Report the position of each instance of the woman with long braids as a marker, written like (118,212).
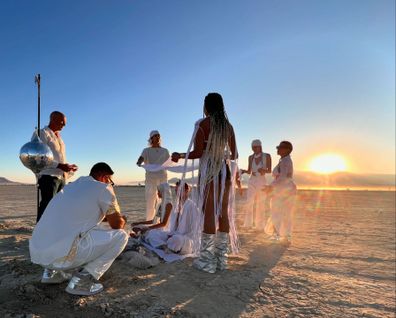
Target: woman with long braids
(214,144)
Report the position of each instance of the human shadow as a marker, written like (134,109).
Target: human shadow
(179,289)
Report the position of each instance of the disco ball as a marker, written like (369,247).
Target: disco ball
(35,155)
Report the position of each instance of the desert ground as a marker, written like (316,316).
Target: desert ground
(341,263)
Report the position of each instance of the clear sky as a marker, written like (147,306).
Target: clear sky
(318,73)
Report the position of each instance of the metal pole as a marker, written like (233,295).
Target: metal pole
(37,80)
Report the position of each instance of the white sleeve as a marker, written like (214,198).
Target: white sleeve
(44,139)
(285,172)
(144,155)
(108,203)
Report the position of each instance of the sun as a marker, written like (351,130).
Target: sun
(328,163)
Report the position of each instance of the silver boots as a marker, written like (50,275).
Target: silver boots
(207,259)
(51,276)
(221,250)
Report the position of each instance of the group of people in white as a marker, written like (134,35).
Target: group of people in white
(81,230)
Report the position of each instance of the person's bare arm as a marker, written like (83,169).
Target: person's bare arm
(249,170)
(268,163)
(142,222)
(168,210)
(116,221)
(232,144)
(140,161)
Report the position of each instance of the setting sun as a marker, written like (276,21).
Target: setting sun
(328,163)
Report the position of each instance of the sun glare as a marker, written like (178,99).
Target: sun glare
(328,163)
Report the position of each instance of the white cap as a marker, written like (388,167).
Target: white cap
(154,132)
(256,142)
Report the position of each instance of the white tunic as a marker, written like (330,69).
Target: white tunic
(78,208)
(283,175)
(155,155)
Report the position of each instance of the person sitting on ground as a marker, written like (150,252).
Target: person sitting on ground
(182,235)
(161,219)
(184,239)
(70,238)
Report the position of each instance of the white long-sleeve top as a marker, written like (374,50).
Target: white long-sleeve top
(283,173)
(58,149)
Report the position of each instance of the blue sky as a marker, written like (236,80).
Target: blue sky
(318,73)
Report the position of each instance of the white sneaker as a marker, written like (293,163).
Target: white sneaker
(51,276)
(83,285)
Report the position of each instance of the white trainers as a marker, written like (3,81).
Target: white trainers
(51,276)
(83,285)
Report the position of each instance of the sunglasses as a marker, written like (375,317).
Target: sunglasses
(110,181)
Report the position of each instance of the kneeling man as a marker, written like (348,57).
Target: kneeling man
(70,236)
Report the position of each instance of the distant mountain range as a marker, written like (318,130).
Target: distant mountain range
(6,181)
(306,179)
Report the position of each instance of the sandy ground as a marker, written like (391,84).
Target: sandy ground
(341,263)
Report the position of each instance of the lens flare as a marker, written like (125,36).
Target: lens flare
(328,163)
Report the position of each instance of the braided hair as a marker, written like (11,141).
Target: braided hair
(220,132)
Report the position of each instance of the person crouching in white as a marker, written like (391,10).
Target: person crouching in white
(69,237)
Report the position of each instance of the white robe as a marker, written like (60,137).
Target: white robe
(181,234)
(69,233)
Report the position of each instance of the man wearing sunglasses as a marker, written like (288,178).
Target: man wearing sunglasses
(71,238)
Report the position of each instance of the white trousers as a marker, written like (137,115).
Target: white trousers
(255,195)
(282,208)
(151,195)
(97,251)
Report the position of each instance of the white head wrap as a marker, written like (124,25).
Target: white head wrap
(256,142)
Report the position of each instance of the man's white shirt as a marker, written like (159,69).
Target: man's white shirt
(58,149)
(78,208)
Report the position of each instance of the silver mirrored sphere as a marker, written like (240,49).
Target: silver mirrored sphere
(35,155)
